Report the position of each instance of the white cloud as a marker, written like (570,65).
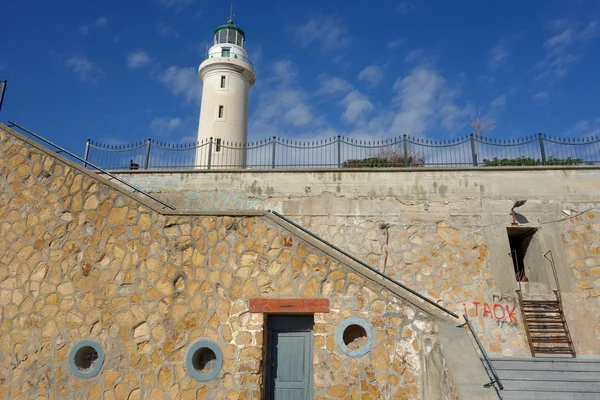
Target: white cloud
(396,43)
(299,115)
(560,39)
(164,125)
(166,31)
(99,23)
(372,74)
(183,81)
(285,71)
(581,126)
(540,98)
(138,59)
(418,56)
(498,55)
(424,99)
(328,31)
(84,69)
(565,48)
(357,105)
(332,84)
(585,128)
(405,8)
(176,4)
(499,102)
(282,103)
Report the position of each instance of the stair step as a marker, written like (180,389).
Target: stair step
(541,321)
(550,302)
(551,386)
(531,395)
(535,339)
(547,331)
(546,364)
(541,311)
(565,376)
(553,351)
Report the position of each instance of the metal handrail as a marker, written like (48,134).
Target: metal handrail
(87,163)
(487,360)
(419,295)
(551,259)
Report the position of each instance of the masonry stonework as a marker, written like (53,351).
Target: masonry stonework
(81,259)
(442,232)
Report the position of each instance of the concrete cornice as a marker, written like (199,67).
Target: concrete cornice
(356,170)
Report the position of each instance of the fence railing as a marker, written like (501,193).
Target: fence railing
(342,152)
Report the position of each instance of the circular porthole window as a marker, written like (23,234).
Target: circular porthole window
(355,337)
(86,358)
(204,360)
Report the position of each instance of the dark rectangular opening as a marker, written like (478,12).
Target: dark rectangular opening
(519,239)
(218,147)
(221,110)
(222,81)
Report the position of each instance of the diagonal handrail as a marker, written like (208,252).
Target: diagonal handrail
(62,150)
(551,260)
(419,295)
(495,379)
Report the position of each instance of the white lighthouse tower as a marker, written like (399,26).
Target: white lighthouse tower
(227,76)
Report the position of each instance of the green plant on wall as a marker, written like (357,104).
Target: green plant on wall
(528,161)
(386,158)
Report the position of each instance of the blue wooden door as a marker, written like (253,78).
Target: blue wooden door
(289,358)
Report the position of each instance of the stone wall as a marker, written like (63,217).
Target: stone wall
(82,259)
(442,232)
(581,236)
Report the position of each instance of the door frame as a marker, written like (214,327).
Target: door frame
(288,323)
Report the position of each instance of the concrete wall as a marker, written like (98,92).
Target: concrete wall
(81,259)
(442,232)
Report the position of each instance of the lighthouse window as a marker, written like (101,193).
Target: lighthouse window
(222,36)
(222,81)
(221,111)
(218,147)
(225,51)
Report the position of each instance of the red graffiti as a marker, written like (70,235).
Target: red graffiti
(499,312)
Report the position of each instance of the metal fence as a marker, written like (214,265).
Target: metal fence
(342,152)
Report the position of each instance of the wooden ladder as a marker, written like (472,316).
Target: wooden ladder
(546,327)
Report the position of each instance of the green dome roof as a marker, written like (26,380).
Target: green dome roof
(230,25)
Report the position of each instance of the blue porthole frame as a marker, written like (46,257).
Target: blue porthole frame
(189,361)
(96,366)
(368,329)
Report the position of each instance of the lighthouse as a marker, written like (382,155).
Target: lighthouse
(227,76)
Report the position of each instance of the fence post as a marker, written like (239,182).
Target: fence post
(405,151)
(2,89)
(542,149)
(147,159)
(273,155)
(87,152)
(339,146)
(474,150)
(209,152)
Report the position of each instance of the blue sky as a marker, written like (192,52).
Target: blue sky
(123,71)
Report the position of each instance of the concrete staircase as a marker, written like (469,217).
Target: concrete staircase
(548,378)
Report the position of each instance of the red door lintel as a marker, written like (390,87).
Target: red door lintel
(289,306)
